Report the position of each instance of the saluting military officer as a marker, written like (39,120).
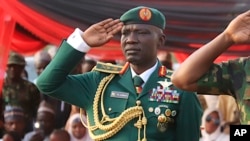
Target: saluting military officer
(230,77)
(116,109)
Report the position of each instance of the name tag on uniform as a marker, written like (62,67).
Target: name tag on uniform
(117,94)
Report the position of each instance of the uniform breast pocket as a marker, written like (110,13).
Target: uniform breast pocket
(116,104)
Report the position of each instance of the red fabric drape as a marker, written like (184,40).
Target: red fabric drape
(41,26)
(28,43)
(109,52)
(44,30)
(180,57)
(7,24)
(25,44)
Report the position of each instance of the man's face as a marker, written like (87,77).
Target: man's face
(140,43)
(40,66)
(17,125)
(14,71)
(46,121)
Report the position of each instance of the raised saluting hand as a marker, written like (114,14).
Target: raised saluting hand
(238,30)
(100,33)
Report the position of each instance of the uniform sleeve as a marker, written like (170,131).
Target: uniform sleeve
(189,118)
(76,41)
(222,78)
(56,81)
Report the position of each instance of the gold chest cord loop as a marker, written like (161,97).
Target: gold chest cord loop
(114,125)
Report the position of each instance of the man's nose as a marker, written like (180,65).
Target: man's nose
(132,38)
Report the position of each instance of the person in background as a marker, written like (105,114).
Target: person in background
(203,102)
(77,131)
(212,100)
(11,136)
(18,91)
(41,60)
(117,106)
(25,74)
(87,65)
(60,135)
(52,51)
(212,126)
(44,125)
(230,111)
(14,120)
(62,109)
(199,73)
(165,58)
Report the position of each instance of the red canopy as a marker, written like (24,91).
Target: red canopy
(189,24)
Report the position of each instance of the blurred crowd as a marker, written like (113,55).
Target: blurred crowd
(27,114)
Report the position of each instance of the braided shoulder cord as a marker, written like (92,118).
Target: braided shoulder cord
(116,124)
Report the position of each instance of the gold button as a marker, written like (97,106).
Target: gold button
(168,112)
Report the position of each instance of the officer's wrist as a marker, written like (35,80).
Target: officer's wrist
(76,41)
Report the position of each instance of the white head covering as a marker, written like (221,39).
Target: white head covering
(217,132)
(45,107)
(73,118)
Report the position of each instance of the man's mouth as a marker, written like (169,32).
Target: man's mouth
(131,51)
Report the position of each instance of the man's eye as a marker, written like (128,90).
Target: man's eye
(124,32)
(142,32)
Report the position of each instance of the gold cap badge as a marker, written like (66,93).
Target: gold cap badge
(145,14)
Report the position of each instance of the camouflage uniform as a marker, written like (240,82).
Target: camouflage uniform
(24,93)
(230,78)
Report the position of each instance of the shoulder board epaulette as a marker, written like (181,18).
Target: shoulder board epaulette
(169,73)
(107,68)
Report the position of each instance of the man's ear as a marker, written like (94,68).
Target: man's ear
(162,39)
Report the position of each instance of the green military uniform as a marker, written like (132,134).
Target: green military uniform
(231,78)
(22,93)
(115,111)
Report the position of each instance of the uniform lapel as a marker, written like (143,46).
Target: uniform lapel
(126,81)
(152,81)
